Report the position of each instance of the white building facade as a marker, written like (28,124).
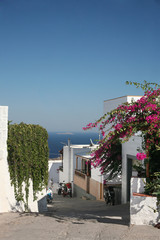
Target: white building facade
(76,171)
(129,149)
(86,180)
(73,170)
(69,160)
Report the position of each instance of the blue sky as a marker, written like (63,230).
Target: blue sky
(60,59)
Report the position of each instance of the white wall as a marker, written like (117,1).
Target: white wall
(64,176)
(33,206)
(132,98)
(7,199)
(128,148)
(53,165)
(142,207)
(6,193)
(111,104)
(96,175)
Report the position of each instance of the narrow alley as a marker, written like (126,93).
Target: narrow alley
(74,219)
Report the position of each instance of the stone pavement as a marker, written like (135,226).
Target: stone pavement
(75,219)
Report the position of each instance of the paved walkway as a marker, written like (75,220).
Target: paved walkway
(95,211)
(75,219)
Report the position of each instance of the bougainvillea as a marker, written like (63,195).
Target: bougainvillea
(141,156)
(123,122)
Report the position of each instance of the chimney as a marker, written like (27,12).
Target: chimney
(69,142)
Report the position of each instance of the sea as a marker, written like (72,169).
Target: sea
(56,140)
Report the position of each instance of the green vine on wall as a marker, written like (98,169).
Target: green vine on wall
(28,155)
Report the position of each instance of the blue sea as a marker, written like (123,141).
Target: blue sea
(57,140)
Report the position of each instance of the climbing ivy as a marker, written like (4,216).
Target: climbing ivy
(28,155)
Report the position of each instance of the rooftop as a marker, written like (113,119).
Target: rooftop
(123,97)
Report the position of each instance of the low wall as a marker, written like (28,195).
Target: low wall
(39,205)
(142,206)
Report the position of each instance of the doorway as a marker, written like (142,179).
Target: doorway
(129,175)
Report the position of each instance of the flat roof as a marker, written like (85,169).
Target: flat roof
(84,146)
(84,155)
(122,97)
(79,145)
(55,160)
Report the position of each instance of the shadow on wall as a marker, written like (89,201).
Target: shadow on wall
(143,210)
(19,206)
(54,176)
(42,204)
(51,176)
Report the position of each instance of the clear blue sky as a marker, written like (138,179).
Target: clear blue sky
(60,59)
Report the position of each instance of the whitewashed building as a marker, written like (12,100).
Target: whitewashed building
(129,149)
(66,173)
(80,174)
(86,180)
(91,181)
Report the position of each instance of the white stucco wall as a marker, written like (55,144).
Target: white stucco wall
(96,175)
(111,104)
(7,199)
(6,193)
(64,176)
(61,176)
(128,148)
(53,165)
(34,206)
(142,207)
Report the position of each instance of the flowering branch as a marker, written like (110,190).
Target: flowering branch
(123,122)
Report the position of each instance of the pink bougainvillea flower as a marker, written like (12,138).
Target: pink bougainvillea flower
(92,154)
(103,133)
(118,127)
(104,181)
(141,156)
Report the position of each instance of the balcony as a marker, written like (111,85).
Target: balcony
(83,167)
(80,173)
